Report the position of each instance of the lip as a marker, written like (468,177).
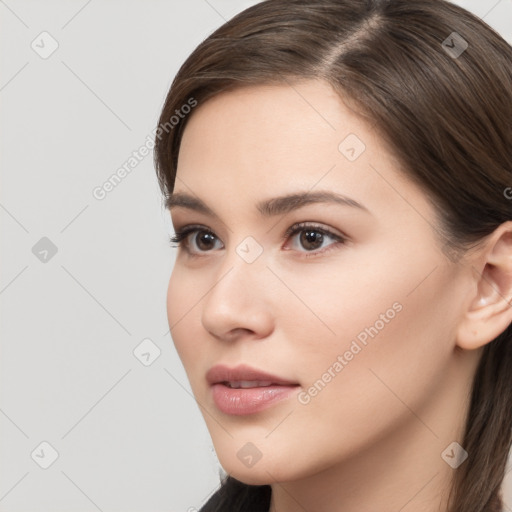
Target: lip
(242,401)
(222,373)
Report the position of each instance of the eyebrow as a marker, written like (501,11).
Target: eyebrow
(268,207)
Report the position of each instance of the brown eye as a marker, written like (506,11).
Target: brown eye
(195,239)
(198,240)
(311,239)
(204,240)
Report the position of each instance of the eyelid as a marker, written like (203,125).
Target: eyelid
(182,233)
(340,238)
(300,226)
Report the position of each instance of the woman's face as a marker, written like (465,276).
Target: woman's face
(357,309)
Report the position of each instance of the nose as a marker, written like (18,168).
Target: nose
(239,301)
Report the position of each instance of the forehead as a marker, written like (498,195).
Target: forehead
(270,129)
(275,120)
(255,142)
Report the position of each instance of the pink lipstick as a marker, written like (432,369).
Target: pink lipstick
(244,390)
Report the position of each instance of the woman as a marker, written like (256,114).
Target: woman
(338,174)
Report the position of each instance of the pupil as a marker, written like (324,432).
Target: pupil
(205,237)
(311,237)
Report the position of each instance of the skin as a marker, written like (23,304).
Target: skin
(372,438)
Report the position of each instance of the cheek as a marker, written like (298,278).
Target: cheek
(364,298)
(363,340)
(183,315)
(332,304)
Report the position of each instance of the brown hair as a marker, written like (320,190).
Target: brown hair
(446,112)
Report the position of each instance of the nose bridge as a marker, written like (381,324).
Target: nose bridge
(242,269)
(238,298)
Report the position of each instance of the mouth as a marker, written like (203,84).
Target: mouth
(244,376)
(244,390)
(247,384)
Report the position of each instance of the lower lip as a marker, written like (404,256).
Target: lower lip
(240,401)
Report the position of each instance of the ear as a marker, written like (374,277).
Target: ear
(490,309)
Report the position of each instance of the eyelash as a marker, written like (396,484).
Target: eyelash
(181,235)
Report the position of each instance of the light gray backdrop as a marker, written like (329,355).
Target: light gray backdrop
(96,411)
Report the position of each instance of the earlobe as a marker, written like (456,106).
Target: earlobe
(490,310)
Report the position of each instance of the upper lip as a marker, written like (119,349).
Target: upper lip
(242,372)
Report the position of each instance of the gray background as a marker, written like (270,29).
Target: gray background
(128,433)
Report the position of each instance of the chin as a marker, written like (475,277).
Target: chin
(252,477)
(262,473)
